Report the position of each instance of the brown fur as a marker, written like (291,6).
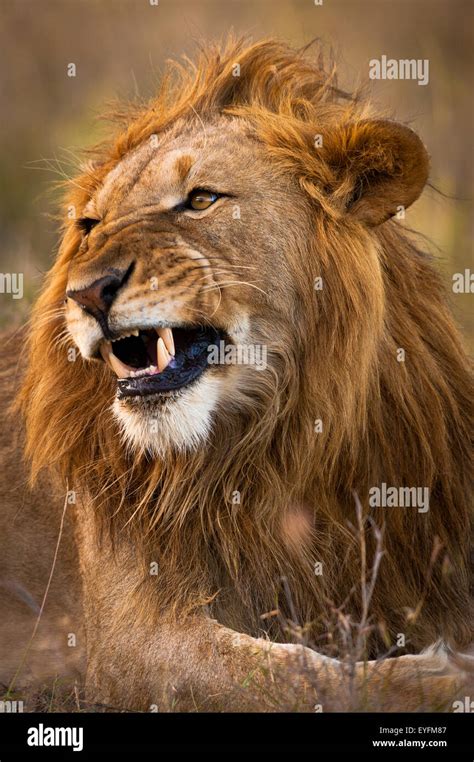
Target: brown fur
(333,356)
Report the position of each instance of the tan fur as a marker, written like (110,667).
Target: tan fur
(305,213)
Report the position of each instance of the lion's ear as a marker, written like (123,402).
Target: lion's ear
(385,167)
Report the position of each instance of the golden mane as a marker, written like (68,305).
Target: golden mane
(402,424)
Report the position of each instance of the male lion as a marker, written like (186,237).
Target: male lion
(222,512)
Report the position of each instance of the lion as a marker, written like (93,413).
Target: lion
(208,532)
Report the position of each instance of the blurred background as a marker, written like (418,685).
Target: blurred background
(119,48)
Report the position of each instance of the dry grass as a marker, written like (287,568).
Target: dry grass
(345,639)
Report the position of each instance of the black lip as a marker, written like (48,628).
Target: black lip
(185,368)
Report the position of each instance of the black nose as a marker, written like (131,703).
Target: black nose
(97,298)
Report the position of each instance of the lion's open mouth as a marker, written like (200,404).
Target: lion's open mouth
(152,361)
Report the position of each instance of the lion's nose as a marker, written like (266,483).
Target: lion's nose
(97,298)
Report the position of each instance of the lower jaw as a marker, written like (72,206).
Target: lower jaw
(164,384)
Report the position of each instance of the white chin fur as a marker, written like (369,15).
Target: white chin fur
(179,424)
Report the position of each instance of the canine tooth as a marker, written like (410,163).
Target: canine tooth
(119,368)
(167,336)
(162,355)
(135,332)
(122,370)
(105,349)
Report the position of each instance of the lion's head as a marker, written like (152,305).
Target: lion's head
(237,298)
(211,229)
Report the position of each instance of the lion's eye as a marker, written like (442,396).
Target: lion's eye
(201,199)
(86,224)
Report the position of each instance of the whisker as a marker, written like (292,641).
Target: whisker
(57,170)
(201,314)
(214,272)
(224,284)
(218,303)
(221,260)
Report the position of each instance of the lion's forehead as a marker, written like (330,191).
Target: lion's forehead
(144,176)
(162,168)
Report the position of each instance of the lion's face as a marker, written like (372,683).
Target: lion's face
(181,282)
